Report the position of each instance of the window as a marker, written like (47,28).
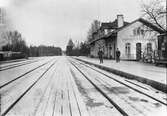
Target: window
(138,31)
(111,30)
(142,32)
(149,47)
(134,32)
(110,46)
(1,16)
(127,49)
(105,31)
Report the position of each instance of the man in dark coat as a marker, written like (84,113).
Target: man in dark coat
(100,54)
(118,53)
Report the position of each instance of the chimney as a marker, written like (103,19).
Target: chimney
(120,20)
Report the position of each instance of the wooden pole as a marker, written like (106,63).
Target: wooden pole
(0,104)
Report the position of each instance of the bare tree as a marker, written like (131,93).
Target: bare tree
(95,25)
(155,11)
(15,42)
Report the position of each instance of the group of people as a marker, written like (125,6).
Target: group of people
(101,53)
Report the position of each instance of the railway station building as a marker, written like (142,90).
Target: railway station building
(102,40)
(134,40)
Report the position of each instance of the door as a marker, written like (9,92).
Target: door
(128,50)
(110,51)
(138,51)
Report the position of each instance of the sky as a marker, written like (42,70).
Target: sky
(54,22)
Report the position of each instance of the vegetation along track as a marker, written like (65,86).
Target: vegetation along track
(21,76)
(27,90)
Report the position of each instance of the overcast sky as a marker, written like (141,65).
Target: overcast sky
(53,22)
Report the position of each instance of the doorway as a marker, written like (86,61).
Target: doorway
(128,50)
(138,51)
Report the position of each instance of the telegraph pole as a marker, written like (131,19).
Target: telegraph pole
(0,104)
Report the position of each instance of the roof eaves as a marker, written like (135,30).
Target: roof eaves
(94,40)
(144,22)
(154,27)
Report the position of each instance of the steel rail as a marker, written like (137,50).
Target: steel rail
(27,90)
(126,85)
(103,93)
(21,76)
(16,65)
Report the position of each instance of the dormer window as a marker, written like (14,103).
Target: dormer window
(105,31)
(111,30)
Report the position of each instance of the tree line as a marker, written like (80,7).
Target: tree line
(78,49)
(44,51)
(16,43)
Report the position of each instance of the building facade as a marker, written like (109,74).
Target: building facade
(105,38)
(138,40)
(135,40)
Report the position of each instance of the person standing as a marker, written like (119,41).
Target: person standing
(118,53)
(100,54)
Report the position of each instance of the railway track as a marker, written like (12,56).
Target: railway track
(49,84)
(74,88)
(22,75)
(96,81)
(127,85)
(103,93)
(9,108)
(65,98)
(11,66)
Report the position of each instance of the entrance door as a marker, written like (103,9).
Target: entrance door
(138,51)
(110,51)
(128,50)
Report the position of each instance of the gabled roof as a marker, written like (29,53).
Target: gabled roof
(148,24)
(112,25)
(145,22)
